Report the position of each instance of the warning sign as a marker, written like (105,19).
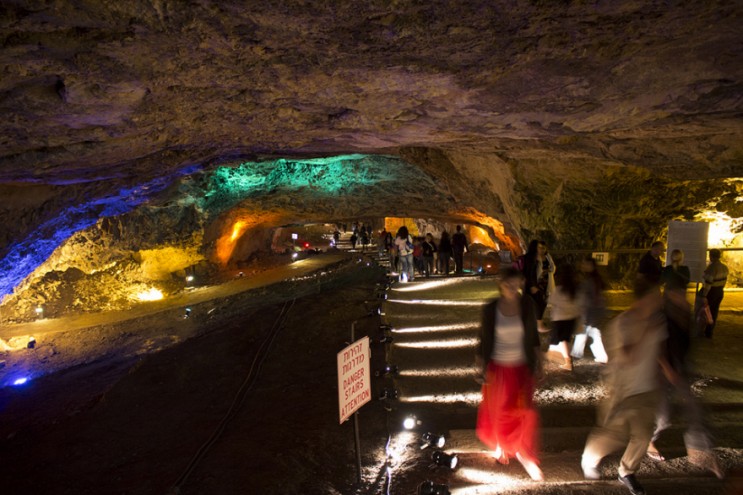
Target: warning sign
(354,382)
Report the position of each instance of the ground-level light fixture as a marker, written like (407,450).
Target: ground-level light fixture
(443,459)
(389,393)
(429,439)
(431,488)
(187,313)
(385,339)
(189,278)
(294,256)
(20,381)
(39,310)
(31,343)
(410,422)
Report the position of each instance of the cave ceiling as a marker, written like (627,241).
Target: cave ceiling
(534,113)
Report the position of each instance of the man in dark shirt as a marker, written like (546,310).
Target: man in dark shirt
(650,264)
(459,246)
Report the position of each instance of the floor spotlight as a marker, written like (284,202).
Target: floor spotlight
(444,459)
(389,393)
(385,339)
(431,488)
(31,343)
(410,422)
(429,439)
(385,328)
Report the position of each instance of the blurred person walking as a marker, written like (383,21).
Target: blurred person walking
(591,288)
(715,279)
(459,245)
(697,437)
(509,360)
(539,273)
(626,418)
(566,310)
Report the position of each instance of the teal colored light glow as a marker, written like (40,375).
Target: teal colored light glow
(324,176)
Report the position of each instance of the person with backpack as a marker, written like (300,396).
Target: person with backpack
(459,246)
(404,244)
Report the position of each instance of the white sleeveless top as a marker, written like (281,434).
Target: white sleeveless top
(509,340)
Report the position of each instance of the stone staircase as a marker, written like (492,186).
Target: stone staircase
(434,332)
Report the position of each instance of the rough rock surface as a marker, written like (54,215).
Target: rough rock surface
(587,124)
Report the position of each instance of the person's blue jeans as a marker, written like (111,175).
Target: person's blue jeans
(407,265)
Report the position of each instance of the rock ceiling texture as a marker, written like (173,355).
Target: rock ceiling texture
(590,123)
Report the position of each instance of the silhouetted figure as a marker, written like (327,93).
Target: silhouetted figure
(444,253)
(459,245)
(429,249)
(715,279)
(651,265)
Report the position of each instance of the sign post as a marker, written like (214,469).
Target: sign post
(354,384)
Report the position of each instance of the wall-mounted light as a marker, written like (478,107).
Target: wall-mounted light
(429,439)
(431,488)
(443,459)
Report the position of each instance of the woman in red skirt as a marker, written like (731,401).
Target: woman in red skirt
(510,360)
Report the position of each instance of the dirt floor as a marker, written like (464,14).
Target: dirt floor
(162,404)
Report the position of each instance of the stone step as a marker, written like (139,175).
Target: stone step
(479,474)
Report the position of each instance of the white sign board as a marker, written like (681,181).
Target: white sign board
(354,380)
(691,238)
(601,259)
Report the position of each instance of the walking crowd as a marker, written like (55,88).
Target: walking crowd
(644,350)
(422,255)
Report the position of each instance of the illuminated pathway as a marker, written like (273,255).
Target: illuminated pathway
(435,327)
(198,295)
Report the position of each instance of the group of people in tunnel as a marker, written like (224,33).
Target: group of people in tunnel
(423,255)
(645,357)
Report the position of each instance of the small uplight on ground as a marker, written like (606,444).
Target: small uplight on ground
(431,488)
(441,458)
(410,422)
(150,295)
(39,311)
(189,278)
(20,381)
(429,439)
